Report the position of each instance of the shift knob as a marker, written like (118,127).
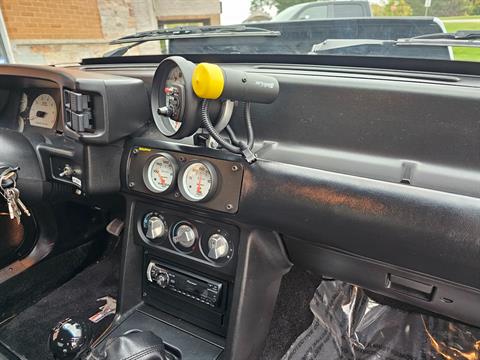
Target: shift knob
(69,338)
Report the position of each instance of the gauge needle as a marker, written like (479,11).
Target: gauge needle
(162,180)
(199,185)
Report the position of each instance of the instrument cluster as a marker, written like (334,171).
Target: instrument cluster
(206,182)
(39,108)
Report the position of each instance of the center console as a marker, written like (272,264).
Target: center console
(189,260)
(191,273)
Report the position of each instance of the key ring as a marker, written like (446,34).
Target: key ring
(9,173)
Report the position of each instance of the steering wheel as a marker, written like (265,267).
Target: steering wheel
(17,151)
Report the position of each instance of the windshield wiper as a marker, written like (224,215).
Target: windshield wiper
(458,39)
(334,44)
(188,32)
(459,35)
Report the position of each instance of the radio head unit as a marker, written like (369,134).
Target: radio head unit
(192,286)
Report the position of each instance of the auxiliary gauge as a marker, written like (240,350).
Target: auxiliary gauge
(198,181)
(160,172)
(175,108)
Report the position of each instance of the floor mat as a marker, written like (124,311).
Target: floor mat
(350,325)
(25,289)
(27,334)
(292,314)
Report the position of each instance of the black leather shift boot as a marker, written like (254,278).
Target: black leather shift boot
(141,345)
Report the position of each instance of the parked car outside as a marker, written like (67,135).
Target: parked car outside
(325,10)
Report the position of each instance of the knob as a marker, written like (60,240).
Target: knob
(163,279)
(166,111)
(69,338)
(218,246)
(155,227)
(185,236)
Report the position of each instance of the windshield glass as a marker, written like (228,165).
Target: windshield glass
(65,31)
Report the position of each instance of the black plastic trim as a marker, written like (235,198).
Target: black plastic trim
(441,66)
(431,293)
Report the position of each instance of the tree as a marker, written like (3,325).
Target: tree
(397,8)
(440,7)
(474,7)
(377,9)
(256,5)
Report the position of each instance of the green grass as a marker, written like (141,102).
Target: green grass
(463,54)
(461,18)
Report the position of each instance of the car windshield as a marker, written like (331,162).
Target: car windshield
(66,31)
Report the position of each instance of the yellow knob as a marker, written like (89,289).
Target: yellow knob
(208,81)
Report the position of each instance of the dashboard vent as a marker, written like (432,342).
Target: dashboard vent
(78,111)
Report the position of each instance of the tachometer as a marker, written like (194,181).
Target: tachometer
(198,181)
(174,80)
(175,108)
(160,172)
(43,112)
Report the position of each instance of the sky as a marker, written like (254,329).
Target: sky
(234,11)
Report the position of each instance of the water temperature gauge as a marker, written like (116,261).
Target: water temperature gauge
(198,181)
(160,172)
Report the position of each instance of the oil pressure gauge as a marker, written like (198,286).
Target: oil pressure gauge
(160,172)
(198,181)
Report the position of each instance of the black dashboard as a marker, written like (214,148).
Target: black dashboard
(364,175)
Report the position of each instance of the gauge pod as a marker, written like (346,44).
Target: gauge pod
(198,181)
(175,107)
(160,172)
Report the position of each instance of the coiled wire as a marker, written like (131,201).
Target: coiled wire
(237,146)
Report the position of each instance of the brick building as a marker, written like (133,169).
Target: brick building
(64,31)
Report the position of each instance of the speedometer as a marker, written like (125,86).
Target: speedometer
(198,181)
(160,172)
(43,112)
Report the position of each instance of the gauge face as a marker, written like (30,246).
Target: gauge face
(198,181)
(23,102)
(43,112)
(174,78)
(159,175)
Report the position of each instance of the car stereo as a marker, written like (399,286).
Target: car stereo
(192,286)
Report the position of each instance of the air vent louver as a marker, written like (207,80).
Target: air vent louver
(78,112)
